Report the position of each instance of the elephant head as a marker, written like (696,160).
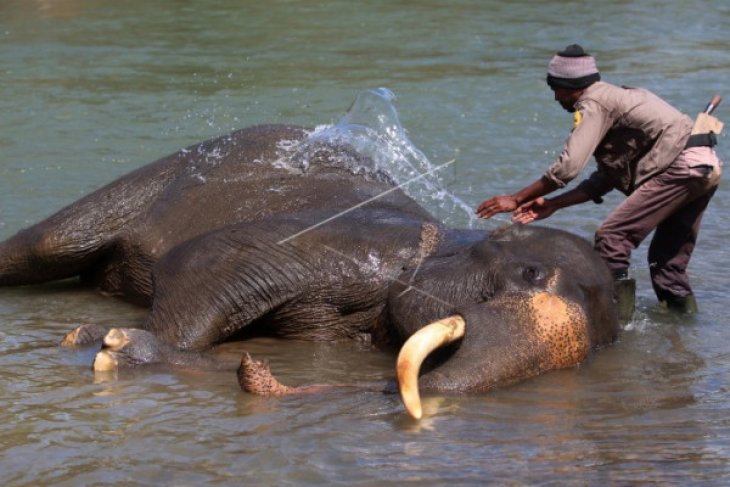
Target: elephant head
(521,302)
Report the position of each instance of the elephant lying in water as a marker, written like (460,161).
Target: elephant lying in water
(242,236)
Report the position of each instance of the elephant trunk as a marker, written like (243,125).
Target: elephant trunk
(415,351)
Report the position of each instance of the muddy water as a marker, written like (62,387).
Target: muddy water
(91,90)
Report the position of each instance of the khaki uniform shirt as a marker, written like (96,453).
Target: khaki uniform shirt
(632,133)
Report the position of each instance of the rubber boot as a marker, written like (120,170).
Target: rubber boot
(684,304)
(624,291)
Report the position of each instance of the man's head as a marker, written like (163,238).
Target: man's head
(570,72)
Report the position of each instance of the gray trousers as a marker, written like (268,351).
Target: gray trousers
(673,203)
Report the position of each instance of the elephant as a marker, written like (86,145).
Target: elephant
(270,231)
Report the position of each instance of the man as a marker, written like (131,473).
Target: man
(642,147)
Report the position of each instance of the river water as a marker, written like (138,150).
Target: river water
(93,89)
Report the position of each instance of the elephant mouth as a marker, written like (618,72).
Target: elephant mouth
(411,356)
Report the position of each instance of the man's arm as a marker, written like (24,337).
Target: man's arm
(542,208)
(504,203)
(588,131)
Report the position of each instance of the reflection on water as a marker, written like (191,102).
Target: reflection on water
(92,90)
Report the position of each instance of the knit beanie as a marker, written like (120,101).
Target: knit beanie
(573,69)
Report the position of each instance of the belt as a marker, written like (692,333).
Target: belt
(701,140)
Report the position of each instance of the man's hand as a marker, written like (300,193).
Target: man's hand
(497,204)
(505,203)
(534,210)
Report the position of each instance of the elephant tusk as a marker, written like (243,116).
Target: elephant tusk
(415,351)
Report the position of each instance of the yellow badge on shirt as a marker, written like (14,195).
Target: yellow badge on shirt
(577,117)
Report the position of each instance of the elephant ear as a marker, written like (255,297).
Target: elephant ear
(211,287)
(285,276)
(582,274)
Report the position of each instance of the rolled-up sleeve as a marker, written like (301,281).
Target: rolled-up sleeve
(593,124)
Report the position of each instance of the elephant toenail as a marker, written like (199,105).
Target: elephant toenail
(105,361)
(115,338)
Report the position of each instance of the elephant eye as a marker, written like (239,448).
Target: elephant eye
(533,274)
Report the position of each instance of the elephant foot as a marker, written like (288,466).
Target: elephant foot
(127,347)
(84,335)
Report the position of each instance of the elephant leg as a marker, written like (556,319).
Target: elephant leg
(77,237)
(127,347)
(47,252)
(130,347)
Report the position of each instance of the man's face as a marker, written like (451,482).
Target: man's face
(566,98)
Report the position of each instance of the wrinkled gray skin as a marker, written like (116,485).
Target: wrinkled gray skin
(204,239)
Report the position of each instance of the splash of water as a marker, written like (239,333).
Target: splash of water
(372,127)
